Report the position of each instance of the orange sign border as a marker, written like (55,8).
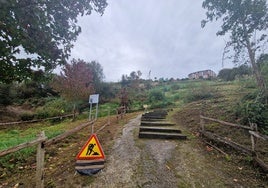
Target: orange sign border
(78,157)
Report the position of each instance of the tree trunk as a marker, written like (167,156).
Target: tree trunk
(256,71)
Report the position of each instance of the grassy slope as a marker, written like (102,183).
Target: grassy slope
(215,99)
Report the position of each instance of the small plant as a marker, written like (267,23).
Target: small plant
(228,157)
(176,97)
(249,159)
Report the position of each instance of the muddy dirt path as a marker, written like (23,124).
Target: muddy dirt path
(157,163)
(137,163)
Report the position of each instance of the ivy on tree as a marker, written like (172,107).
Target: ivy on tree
(39,34)
(247,22)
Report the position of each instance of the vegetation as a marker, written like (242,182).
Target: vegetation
(232,74)
(250,106)
(234,100)
(39,34)
(75,83)
(242,20)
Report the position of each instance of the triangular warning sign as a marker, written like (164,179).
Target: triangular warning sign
(91,150)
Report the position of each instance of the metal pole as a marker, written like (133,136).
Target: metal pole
(96,115)
(109,120)
(90,108)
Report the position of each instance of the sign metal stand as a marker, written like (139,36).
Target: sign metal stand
(93,99)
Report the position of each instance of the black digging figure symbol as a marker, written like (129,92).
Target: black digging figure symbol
(90,150)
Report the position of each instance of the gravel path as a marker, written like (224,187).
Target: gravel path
(137,162)
(156,163)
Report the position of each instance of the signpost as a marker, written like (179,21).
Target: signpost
(91,150)
(90,159)
(93,99)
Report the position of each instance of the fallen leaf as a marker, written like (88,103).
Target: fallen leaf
(168,167)
(209,148)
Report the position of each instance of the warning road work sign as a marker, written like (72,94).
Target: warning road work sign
(91,150)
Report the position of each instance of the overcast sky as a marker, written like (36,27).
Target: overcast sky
(161,36)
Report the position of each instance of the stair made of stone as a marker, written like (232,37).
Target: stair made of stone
(156,123)
(162,135)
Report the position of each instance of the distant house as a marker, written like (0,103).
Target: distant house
(205,74)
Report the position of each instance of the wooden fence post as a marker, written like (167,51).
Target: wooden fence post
(202,123)
(40,159)
(109,116)
(253,126)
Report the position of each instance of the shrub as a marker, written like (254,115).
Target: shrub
(54,107)
(5,98)
(161,104)
(253,108)
(41,114)
(155,96)
(157,99)
(176,97)
(199,93)
(26,116)
(175,87)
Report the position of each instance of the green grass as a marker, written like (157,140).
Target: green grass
(219,95)
(14,136)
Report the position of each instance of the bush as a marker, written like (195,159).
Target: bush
(161,104)
(5,98)
(175,87)
(54,107)
(155,96)
(176,97)
(41,113)
(231,74)
(253,108)
(157,99)
(26,116)
(201,92)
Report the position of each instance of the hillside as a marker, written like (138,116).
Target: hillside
(187,99)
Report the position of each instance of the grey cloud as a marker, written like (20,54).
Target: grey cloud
(164,36)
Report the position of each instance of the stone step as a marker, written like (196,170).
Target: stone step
(159,135)
(153,117)
(161,113)
(159,129)
(156,123)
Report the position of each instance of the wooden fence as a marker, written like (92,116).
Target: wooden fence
(42,142)
(36,120)
(252,130)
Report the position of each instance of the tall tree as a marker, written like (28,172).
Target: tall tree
(246,21)
(75,82)
(39,34)
(97,72)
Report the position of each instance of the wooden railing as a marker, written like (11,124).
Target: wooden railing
(36,120)
(252,130)
(42,142)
